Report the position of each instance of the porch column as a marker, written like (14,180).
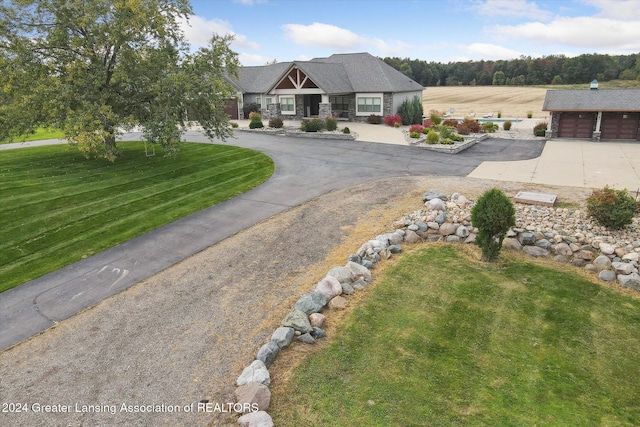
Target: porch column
(597,133)
(324,109)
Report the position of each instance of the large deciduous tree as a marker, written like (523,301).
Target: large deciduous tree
(97,67)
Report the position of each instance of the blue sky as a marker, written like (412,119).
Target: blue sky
(431,30)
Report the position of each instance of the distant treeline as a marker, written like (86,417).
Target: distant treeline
(553,69)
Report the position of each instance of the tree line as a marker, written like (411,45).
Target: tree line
(552,69)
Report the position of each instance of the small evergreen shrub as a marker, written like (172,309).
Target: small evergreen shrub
(346,130)
(234,125)
(330,124)
(447,141)
(611,208)
(275,122)
(256,121)
(506,125)
(540,129)
(374,119)
(393,120)
(493,215)
(529,114)
(499,114)
(411,111)
(457,138)
(489,127)
(433,137)
(414,135)
(313,125)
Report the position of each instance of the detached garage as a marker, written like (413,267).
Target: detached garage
(596,114)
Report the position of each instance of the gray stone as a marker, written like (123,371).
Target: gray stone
(316,320)
(307,338)
(631,256)
(413,227)
(395,249)
(343,274)
(433,194)
(433,225)
(535,251)
(436,205)
(526,239)
(338,303)
(447,229)
(298,320)
(607,275)
(359,284)
(462,232)
(268,353)
(255,419)
(411,237)
(453,239)
(283,336)
(421,226)
(312,302)
(543,243)
(255,372)
(602,262)
(471,238)
(574,247)
(347,289)
(578,262)
(591,267)
(385,253)
(511,243)
(561,258)
(629,281)
(622,267)
(367,264)
(329,286)
(318,333)
(441,218)
(253,394)
(585,255)
(562,249)
(355,258)
(359,271)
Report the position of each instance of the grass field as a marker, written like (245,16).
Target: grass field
(58,207)
(443,339)
(512,101)
(40,134)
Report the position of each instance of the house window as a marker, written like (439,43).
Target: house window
(268,101)
(287,105)
(339,103)
(369,104)
(259,101)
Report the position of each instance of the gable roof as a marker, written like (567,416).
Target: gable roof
(592,100)
(337,74)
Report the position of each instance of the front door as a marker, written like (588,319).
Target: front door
(312,105)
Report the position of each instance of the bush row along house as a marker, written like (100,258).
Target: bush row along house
(345,86)
(596,114)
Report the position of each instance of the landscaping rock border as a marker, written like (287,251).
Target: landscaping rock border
(568,235)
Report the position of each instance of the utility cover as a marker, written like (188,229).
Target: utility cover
(540,199)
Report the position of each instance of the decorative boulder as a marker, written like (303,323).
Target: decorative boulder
(255,419)
(283,336)
(329,286)
(297,320)
(256,372)
(343,274)
(312,302)
(359,271)
(433,194)
(436,205)
(268,353)
(253,394)
(630,281)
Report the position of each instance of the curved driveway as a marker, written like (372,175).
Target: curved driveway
(305,169)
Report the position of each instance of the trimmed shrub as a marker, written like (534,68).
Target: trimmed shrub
(435,117)
(506,125)
(472,125)
(447,141)
(275,122)
(346,130)
(414,135)
(411,111)
(611,208)
(499,114)
(393,120)
(330,124)
(234,125)
(416,128)
(397,125)
(456,137)
(463,129)
(493,215)
(540,129)
(489,127)
(313,125)
(529,114)
(256,121)
(450,122)
(433,137)
(374,119)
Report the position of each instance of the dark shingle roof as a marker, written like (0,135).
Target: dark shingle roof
(592,100)
(340,73)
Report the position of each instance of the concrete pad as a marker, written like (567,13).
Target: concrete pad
(531,198)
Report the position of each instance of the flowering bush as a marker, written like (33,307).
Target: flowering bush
(429,123)
(416,128)
(450,122)
(469,125)
(392,120)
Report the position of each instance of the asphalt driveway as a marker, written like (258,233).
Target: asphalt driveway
(305,169)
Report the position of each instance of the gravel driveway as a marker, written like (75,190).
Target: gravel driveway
(184,335)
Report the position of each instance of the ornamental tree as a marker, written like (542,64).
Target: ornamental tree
(493,215)
(94,68)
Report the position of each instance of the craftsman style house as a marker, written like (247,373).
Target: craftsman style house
(596,114)
(348,86)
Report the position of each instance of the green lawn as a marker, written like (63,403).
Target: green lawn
(445,340)
(58,207)
(40,134)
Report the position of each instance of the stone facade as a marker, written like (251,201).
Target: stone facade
(325,111)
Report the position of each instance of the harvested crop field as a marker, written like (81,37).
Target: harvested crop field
(512,101)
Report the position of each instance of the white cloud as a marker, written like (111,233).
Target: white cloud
(249,59)
(513,8)
(625,10)
(249,2)
(324,35)
(489,51)
(198,32)
(586,32)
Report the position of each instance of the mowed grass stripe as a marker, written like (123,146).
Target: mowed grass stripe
(139,200)
(444,339)
(119,202)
